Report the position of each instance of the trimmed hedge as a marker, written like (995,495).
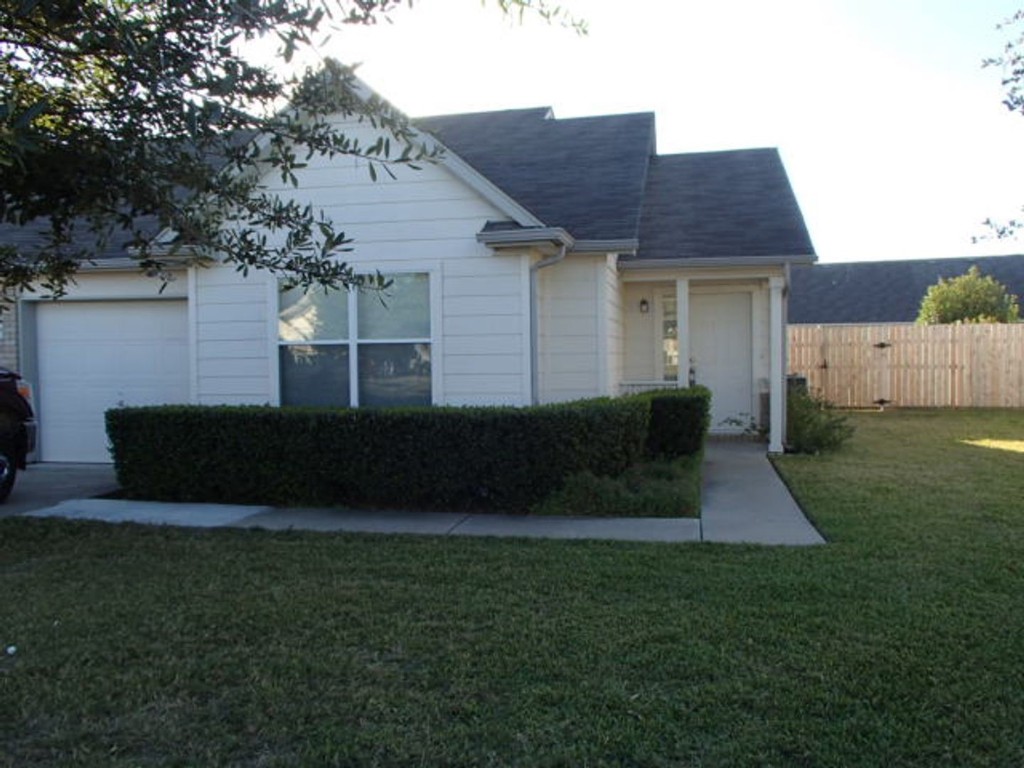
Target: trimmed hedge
(679,421)
(448,458)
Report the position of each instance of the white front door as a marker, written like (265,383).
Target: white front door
(722,356)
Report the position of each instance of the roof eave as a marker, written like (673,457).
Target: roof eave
(719,261)
(127,264)
(518,238)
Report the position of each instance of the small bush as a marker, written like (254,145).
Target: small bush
(969,298)
(812,425)
(649,489)
(679,421)
(414,458)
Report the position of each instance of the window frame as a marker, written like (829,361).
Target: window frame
(353,342)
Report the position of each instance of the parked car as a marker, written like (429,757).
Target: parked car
(17,429)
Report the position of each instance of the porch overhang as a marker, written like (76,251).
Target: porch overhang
(708,289)
(716,261)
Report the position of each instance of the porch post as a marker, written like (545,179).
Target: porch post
(683,331)
(776,387)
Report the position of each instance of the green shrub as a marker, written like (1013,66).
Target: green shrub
(969,298)
(679,421)
(447,458)
(650,489)
(812,425)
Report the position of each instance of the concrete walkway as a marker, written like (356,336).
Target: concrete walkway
(744,501)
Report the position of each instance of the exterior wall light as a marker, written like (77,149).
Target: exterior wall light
(645,306)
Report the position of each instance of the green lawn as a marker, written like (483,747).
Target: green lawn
(900,643)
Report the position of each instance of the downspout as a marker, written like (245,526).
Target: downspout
(535,322)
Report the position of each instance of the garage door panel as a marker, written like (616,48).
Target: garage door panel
(99,355)
(153,359)
(147,361)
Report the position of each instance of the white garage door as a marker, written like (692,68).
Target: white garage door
(95,355)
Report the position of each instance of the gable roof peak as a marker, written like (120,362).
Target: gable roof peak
(725,204)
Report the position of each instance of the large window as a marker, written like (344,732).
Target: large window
(356,348)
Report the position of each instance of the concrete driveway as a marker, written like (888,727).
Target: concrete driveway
(44,485)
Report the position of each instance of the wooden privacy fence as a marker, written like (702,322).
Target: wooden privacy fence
(937,366)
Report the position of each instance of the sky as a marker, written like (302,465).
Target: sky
(895,138)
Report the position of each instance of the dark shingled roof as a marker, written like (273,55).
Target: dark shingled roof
(884,291)
(585,174)
(599,179)
(32,236)
(721,204)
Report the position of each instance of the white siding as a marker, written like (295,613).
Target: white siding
(420,221)
(232,344)
(571,331)
(639,333)
(485,331)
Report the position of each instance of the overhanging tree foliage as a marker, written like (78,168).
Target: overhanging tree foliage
(122,119)
(969,298)
(1011,61)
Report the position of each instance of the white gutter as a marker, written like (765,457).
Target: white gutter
(716,261)
(535,321)
(525,237)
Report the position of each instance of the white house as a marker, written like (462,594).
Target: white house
(542,260)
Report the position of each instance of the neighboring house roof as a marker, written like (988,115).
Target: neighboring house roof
(884,291)
(585,175)
(721,205)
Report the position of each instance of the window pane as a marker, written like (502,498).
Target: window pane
(316,315)
(314,375)
(669,341)
(394,374)
(400,312)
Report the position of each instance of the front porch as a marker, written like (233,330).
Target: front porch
(723,330)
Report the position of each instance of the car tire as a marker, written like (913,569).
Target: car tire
(8,468)
(9,426)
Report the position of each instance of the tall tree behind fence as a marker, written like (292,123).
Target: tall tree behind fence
(935,366)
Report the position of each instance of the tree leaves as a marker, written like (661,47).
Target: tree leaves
(121,120)
(1012,64)
(969,298)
